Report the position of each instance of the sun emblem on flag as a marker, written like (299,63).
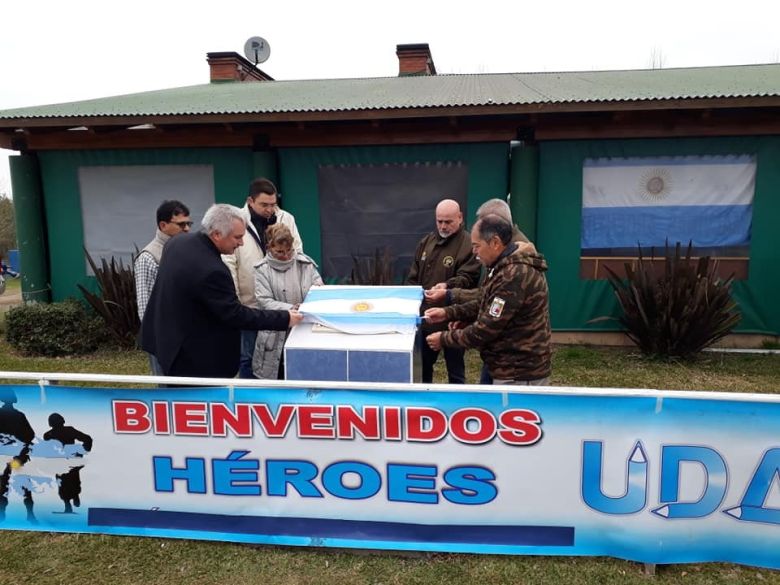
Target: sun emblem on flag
(361,307)
(655,184)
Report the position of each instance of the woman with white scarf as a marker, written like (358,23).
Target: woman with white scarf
(282,279)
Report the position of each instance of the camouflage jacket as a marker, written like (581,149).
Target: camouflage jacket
(510,322)
(464,295)
(447,260)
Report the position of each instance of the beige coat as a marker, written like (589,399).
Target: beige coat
(242,262)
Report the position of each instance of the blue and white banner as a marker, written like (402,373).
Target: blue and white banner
(647,201)
(364,310)
(650,476)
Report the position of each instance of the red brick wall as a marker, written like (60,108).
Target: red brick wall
(413,64)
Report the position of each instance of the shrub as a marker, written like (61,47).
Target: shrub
(116,304)
(55,329)
(679,312)
(377,270)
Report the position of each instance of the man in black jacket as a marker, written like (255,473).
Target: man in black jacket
(194,319)
(444,255)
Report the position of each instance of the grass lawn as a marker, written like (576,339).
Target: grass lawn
(12,285)
(100,362)
(44,558)
(11,297)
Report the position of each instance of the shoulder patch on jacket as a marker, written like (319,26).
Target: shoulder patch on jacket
(496,307)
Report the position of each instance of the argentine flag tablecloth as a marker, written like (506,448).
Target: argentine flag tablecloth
(648,201)
(364,310)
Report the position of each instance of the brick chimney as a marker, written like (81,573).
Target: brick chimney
(233,67)
(415,60)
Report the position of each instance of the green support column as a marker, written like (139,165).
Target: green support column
(524,187)
(30,228)
(264,165)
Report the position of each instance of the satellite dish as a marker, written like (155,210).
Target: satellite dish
(257,50)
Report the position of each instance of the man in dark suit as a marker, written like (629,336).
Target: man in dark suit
(194,319)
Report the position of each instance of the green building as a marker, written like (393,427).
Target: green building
(362,162)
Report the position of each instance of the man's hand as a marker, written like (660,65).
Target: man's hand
(435,295)
(456,325)
(440,285)
(295,318)
(435,315)
(434,341)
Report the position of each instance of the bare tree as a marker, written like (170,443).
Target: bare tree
(7,225)
(657,58)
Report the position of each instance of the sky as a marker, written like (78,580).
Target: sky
(53,51)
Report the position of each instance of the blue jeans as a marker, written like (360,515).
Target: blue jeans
(248,339)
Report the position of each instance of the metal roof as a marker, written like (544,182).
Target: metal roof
(390,93)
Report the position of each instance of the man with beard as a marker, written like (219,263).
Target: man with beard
(444,255)
(510,321)
(442,294)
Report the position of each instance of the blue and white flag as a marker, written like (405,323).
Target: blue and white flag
(648,201)
(364,310)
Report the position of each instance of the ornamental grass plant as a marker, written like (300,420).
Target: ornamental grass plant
(676,310)
(376,270)
(116,304)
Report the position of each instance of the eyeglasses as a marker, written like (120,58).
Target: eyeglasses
(182,224)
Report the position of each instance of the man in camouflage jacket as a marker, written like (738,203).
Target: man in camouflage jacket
(443,294)
(444,255)
(510,322)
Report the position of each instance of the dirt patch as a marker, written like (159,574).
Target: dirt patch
(10,299)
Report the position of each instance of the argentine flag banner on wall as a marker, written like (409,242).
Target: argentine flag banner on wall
(648,201)
(365,310)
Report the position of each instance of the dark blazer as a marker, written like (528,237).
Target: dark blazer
(194,319)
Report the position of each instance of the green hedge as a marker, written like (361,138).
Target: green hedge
(55,329)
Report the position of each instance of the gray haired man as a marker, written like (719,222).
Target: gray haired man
(194,319)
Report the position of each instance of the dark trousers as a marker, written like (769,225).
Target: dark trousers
(247,351)
(484,375)
(456,364)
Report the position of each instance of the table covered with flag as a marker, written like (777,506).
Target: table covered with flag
(357,334)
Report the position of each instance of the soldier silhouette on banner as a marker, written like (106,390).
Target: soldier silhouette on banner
(15,429)
(70,482)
